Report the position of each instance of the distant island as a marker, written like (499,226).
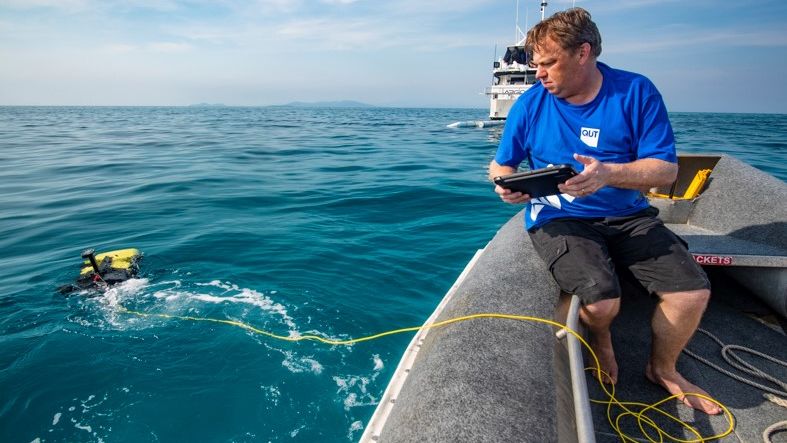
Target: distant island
(325,104)
(329,104)
(208,105)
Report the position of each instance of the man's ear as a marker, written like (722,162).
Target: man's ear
(584,52)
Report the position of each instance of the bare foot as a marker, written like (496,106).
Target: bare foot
(675,384)
(606,357)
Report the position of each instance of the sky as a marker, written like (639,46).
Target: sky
(703,55)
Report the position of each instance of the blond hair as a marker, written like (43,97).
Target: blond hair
(569,29)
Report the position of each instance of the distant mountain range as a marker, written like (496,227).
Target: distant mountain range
(329,104)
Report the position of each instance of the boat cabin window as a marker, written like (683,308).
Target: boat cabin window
(515,54)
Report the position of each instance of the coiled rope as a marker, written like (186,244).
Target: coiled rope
(727,351)
(773,395)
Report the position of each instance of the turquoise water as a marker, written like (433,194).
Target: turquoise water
(334,222)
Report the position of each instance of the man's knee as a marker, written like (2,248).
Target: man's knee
(690,299)
(602,309)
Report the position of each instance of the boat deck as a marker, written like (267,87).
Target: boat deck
(747,253)
(732,317)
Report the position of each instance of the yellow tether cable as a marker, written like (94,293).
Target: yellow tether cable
(639,416)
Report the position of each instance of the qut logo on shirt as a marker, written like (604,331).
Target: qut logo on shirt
(589,136)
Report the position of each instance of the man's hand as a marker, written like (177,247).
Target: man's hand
(510,196)
(594,177)
(506,195)
(639,174)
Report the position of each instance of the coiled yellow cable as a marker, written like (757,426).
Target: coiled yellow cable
(644,422)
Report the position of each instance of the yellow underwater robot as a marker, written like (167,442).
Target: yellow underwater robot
(105,269)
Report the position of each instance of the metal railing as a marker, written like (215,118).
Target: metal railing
(579,388)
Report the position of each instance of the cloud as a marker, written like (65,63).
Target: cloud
(152,5)
(119,48)
(63,5)
(438,8)
(328,33)
(154,47)
(274,6)
(717,37)
(169,47)
(622,6)
(341,34)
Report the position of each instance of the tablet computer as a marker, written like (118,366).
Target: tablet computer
(537,183)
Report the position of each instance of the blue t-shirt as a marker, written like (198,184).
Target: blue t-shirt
(626,121)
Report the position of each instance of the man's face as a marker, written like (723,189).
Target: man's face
(557,68)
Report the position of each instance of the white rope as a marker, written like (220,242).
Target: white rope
(776,400)
(780,426)
(774,395)
(736,362)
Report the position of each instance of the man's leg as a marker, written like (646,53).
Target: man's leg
(598,318)
(674,322)
(576,253)
(662,263)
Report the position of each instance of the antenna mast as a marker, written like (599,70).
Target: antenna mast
(518,34)
(543,8)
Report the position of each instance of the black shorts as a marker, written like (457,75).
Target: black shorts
(586,256)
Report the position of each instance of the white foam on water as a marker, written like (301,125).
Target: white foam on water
(127,289)
(272,394)
(354,427)
(353,400)
(83,427)
(298,365)
(217,283)
(107,305)
(176,283)
(295,431)
(378,363)
(231,293)
(355,388)
(86,407)
(87,412)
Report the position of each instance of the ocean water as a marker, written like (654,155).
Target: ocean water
(335,222)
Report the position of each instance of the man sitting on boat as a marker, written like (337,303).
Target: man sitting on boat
(612,126)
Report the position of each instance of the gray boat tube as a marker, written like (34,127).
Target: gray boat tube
(488,379)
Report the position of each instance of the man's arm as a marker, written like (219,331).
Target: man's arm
(496,170)
(640,174)
(508,196)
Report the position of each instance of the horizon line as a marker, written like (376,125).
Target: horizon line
(316,105)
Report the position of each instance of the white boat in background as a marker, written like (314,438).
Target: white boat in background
(511,77)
